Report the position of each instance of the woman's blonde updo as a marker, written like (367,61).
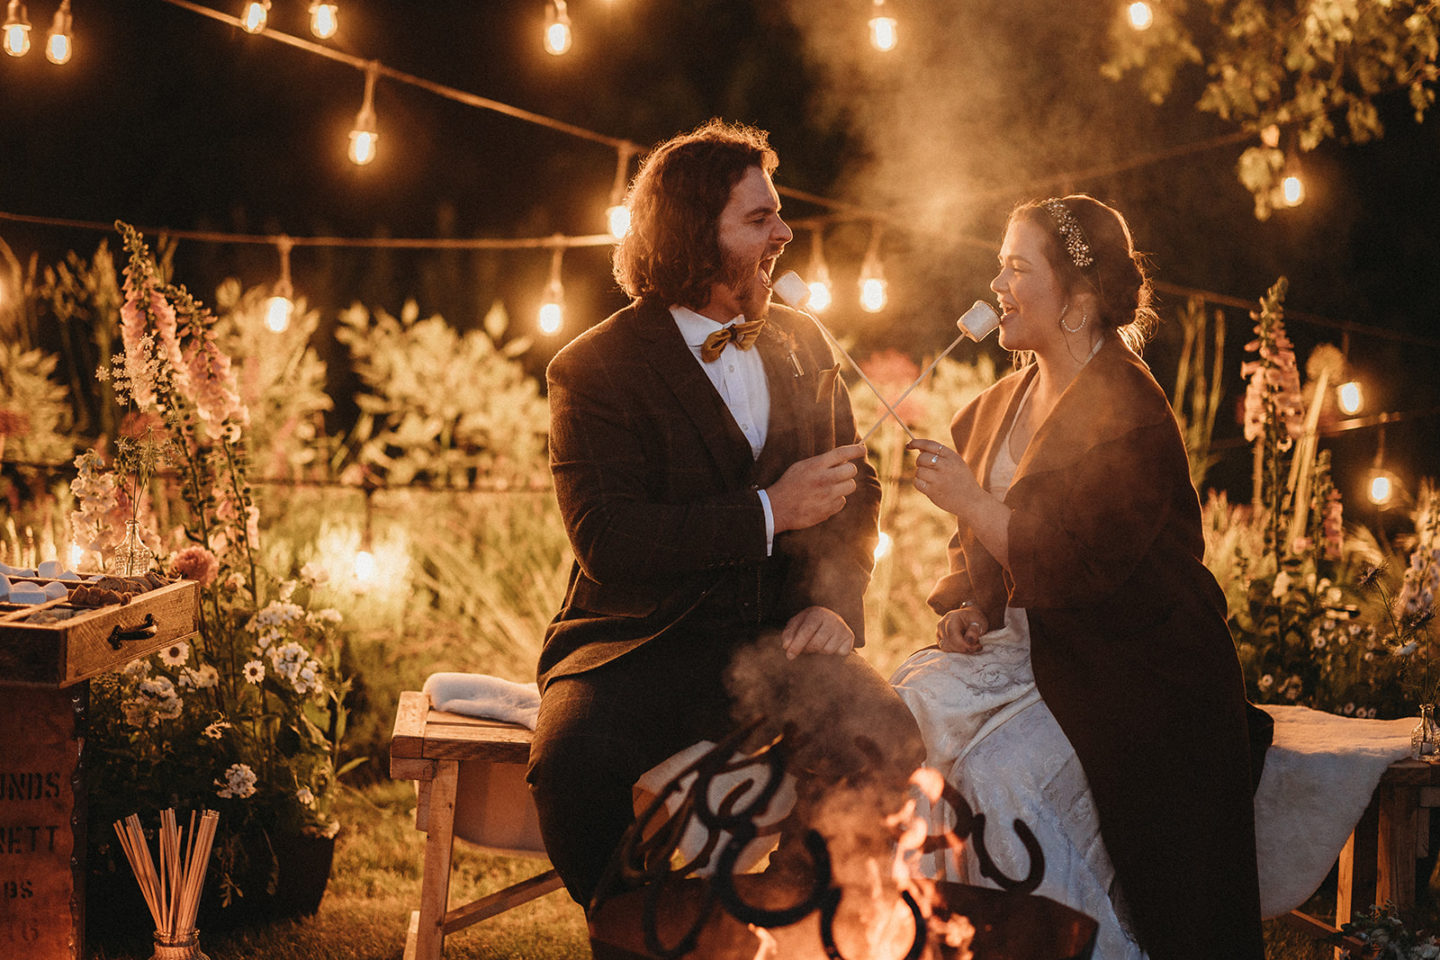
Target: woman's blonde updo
(1116,272)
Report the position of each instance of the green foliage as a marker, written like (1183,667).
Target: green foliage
(1386,936)
(1309,67)
(441,407)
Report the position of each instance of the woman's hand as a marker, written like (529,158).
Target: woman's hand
(943,476)
(959,631)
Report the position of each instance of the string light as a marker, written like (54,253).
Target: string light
(617,215)
(882,545)
(1292,187)
(819,271)
(17,29)
(873,292)
(1382,482)
(366,569)
(882,28)
(1140,15)
(255,15)
(281,305)
(557,28)
(324,19)
(57,44)
(552,305)
(1349,397)
(363,136)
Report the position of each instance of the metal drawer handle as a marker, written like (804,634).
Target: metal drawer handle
(146,629)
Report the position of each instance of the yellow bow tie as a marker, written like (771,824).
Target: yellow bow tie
(742,334)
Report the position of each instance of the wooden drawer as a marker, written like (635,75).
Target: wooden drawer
(90,640)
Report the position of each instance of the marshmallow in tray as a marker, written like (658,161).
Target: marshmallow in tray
(979,321)
(25,592)
(10,571)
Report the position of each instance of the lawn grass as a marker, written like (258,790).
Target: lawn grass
(375,884)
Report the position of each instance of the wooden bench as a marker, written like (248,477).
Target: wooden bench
(475,767)
(1377,863)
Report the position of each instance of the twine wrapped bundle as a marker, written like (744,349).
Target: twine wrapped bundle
(171,890)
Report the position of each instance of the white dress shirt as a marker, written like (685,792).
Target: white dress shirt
(739,378)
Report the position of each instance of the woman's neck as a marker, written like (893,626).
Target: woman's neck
(1058,366)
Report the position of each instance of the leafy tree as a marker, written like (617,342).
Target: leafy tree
(1293,72)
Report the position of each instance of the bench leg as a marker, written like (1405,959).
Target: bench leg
(439,844)
(1399,827)
(1356,887)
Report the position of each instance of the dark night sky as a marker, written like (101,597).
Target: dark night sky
(167,118)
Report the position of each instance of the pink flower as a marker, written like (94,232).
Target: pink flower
(13,423)
(892,372)
(195,563)
(211,381)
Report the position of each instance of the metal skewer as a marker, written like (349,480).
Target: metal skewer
(795,292)
(976,323)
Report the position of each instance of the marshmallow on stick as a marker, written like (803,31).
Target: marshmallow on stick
(977,323)
(796,292)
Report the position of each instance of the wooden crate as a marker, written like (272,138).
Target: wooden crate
(44,667)
(90,640)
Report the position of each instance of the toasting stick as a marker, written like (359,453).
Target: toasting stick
(976,323)
(796,293)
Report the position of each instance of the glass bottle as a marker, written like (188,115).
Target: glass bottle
(1425,738)
(132,557)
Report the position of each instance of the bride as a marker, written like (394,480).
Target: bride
(1083,677)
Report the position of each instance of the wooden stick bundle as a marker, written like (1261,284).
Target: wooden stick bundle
(171,891)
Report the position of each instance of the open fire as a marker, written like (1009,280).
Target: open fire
(851,907)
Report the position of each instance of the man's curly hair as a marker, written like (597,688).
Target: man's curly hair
(672,250)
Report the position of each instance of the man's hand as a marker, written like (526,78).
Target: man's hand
(959,630)
(814,489)
(817,630)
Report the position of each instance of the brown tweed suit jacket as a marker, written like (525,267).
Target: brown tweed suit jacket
(656,485)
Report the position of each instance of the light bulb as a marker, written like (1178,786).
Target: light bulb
(1350,397)
(365,568)
(57,44)
(1141,16)
(362,146)
(820,298)
(1381,489)
(77,555)
(552,317)
(873,294)
(557,28)
(618,216)
(324,19)
(557,38)
(882,33)
(278,310)
(255,15)
(882,546)
(1293,190)
(17,29)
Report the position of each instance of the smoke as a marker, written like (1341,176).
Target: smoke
(982,104)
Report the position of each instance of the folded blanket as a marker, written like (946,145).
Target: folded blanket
(1319,776)
(479,695)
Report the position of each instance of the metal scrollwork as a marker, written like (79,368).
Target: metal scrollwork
(970,824)
(731,825)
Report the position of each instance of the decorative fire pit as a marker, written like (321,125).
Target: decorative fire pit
(1008,926)
(652,906)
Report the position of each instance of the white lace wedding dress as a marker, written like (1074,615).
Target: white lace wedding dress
(988,732)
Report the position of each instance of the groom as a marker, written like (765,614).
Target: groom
(706,466)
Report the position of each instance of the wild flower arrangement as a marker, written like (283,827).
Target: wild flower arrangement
(1296,585)
(1386,937)
(246,716)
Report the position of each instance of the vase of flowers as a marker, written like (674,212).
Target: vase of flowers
(246,716)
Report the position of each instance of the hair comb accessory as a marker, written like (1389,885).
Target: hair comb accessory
(1075,243)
